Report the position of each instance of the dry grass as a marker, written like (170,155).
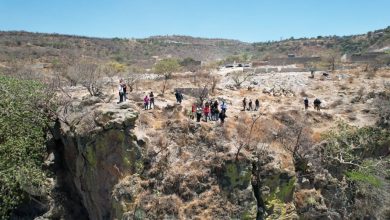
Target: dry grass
(318,87)
(384,74)
(371,74)
(316,136)
(145,121)
(303,93)
(352,117)
(336,103)
(343,86)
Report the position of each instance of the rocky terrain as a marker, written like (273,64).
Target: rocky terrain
(109,160)
(118,161)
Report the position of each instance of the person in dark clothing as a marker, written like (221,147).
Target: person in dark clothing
(306,103)
(250,105)
(257,105)
(222,116)
(177,95)
(215,112)
(244,104)
(151,100)
(216,104)
(180,97)
(124,90)
(198,114)
(317,104)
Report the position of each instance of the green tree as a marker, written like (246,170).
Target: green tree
(166,67)
(23,120)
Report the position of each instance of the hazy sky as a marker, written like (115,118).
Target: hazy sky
(251,20)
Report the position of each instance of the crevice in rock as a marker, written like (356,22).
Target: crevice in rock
(65,190)
(256,191)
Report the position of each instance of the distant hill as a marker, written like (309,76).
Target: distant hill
(29,47)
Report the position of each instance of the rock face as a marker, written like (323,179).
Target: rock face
(98,149)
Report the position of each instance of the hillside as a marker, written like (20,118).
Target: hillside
(52,48)
(64,49)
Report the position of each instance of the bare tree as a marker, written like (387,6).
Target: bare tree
(295,138)
(132,80)
(203,93)
(89,75)
(165,84)
(246,137)
(214,82)
(240,77)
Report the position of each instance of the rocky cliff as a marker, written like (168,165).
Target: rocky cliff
(98,148)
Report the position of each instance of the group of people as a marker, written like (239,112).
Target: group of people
(122,91)
(316,102)
(249,106)
(210,110)
(149,101)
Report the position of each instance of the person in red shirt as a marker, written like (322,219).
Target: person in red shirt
(193,111)
(206,112)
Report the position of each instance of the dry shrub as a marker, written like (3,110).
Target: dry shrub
(144,120)
(374,86)
(136,96)
(352,117)
(228,129)
(316,137)
(356,74)
(371,75)
(303,93)
(336,103)
(343,86)
(318,87)
(385,74)
(163,207)
(349,109)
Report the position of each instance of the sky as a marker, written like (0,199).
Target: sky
(245,20)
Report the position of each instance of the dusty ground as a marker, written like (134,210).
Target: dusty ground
(345,95)
(185,153)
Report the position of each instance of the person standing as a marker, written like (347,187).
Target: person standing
(193,110)
(120,90)
(206,111)
(198,113)
(244,104)
(250,108)
(317,104)
(257,104)
(151,101)
(146,102)
(124,90)
(306,103)
(216,113)
(177,95)
(222,117)
(216,104)
(180,97)
(223,107)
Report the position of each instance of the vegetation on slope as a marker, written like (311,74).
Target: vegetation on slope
(22,141)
